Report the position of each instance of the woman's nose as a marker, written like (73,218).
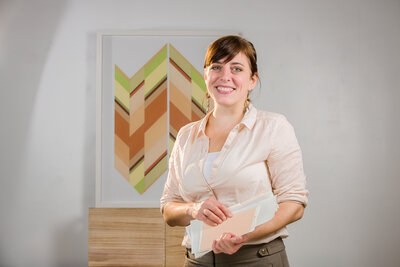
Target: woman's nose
(225,74)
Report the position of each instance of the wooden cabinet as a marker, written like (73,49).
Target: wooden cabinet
(133,237)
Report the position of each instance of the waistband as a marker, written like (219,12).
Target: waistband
(244,253)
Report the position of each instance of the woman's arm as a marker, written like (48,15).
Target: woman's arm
(210,211)
(287,213)
(285,166)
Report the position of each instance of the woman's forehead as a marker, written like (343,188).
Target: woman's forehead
(239,58)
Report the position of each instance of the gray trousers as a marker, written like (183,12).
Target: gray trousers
(271,254)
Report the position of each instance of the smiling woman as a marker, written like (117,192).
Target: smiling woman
(242,58)
(234,153)
(229,83)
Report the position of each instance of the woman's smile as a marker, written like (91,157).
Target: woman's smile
(224,89)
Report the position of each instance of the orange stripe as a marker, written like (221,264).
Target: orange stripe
(137,88)
(194,116)
(155,110)
(155,89)
(176,118)
(136,141)
(121,127)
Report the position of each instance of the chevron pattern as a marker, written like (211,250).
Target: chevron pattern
(141,114)
(186,91)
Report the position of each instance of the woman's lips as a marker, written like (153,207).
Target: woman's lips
(224,90)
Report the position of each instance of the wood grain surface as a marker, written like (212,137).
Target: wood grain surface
(174,252)
(133,237)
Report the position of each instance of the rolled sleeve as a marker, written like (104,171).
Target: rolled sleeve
(171,188)
(285,165)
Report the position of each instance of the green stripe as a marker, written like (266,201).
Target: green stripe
(121,79)
(119,101)
(134,168)
(155,62)
(198,79)
(137,79)
(199,105)
(152,176)
(155,86)
(180,60)
(140,186)
(156,172)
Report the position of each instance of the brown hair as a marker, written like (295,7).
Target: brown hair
(229,46)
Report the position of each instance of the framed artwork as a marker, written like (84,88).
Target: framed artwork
(149,85)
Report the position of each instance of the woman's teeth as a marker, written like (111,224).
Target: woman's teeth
(225,89)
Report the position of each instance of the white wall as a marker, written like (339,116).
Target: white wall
(332,67)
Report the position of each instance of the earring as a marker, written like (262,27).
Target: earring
(208,99)
(247,102)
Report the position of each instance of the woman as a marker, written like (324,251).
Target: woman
(234,153)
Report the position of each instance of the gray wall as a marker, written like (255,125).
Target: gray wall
(332,67)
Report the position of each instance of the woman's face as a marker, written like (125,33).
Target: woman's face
(229,83)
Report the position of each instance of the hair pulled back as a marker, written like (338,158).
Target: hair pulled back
(227,47)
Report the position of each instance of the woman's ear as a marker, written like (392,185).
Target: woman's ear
(253,81)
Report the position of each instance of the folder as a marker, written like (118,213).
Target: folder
(246,216)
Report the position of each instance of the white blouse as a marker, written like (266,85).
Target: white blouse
(208,164)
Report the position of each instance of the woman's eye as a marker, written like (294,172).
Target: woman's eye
(215,67)
(237,69)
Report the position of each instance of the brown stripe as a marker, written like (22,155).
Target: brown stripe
(122,112)
(173,137)
(180,70)
(136,157)
(136,163)
(155,110)
(121,127)
(137,88)
(136,141)
(200,108)
(155,163)
(127,112)
(173,132)
(158,86)
(176,118)
(156,94)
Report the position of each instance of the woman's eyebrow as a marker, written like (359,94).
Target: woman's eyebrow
(236,63)
(232,63)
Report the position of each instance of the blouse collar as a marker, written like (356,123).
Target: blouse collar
(248,119)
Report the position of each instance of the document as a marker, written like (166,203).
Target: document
(246,216)
(239,224)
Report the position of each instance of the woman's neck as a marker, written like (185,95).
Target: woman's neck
(225,118)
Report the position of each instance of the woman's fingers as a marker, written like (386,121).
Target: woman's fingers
(226,244)
(215,210)
(212,212)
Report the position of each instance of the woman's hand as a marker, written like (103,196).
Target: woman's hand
(228,243)
(211,212)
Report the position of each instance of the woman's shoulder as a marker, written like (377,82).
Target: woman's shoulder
(269,117)
(189,129)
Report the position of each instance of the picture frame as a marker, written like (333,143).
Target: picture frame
(121,56)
